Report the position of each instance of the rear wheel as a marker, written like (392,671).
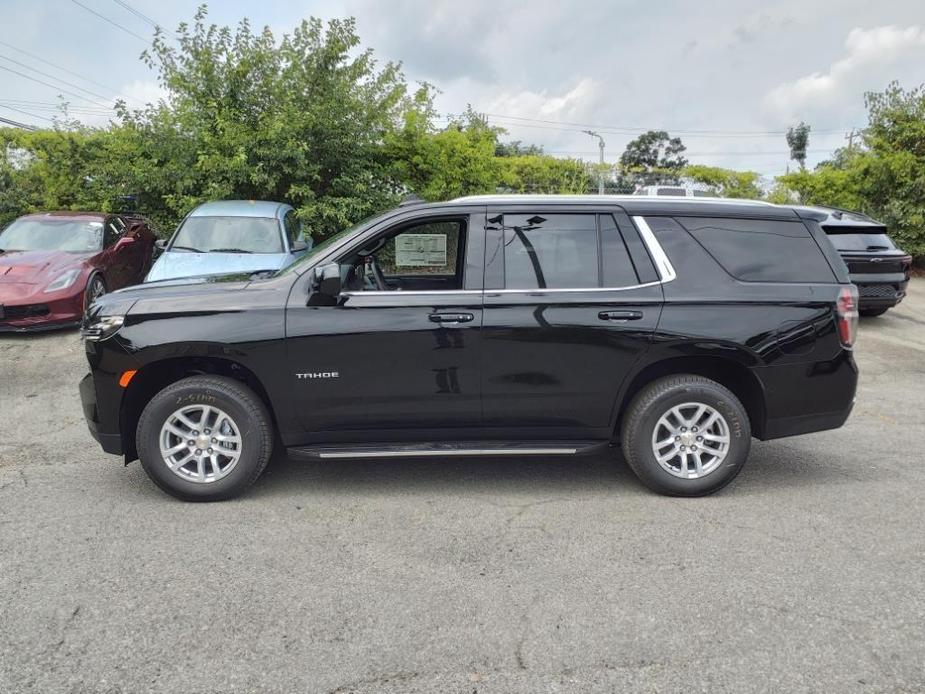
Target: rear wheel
(204,438)
(873,312)
(686,435)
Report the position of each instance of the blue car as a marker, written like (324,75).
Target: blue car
(231,236)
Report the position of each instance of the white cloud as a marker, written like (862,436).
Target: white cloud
(868,53)
(574,103)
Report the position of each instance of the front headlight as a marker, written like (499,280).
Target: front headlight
(63,281)
(101,327)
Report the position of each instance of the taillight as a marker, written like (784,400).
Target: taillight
(846,308)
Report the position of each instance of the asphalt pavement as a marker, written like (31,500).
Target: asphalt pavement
(478,575)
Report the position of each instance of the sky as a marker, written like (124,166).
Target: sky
(727,76)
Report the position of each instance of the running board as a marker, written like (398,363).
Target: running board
(444,450)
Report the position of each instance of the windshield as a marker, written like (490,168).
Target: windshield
(320,248)
(228,235)
(859,239)
(52,235)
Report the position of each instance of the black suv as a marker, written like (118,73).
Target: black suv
(877,267)
(521,325)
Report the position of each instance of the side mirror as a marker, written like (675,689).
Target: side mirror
(327,280)
(299,246)
(124,241)
(161,244)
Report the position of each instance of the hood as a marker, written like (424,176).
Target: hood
(37,267)
(177,264)
(186,286)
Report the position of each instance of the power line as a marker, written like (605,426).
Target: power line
(618,129)
(26,113)
(107,19)
(138,13)
(17,124)
(49,106)
(782,152)
(58,67)
(47,84)
(57,79)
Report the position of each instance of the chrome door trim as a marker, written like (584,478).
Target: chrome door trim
(662,264)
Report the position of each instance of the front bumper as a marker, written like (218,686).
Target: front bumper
(22,317)
(111,443)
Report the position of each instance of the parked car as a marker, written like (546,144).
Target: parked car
(878,268)
(231,236)
(519,325)
(680,190)
(54,264)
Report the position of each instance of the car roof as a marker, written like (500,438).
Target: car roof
(644,204)
(837,217)
(239,208)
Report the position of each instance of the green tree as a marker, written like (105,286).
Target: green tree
(654,157)
(300,119)
(516,148)
(439,164)
(798,141)
(885,178)
(725,183)
(544,174)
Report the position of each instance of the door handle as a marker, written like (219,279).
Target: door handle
(450,317)
(620,315)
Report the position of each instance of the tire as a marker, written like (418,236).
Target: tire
(685,392)
(96,287)
(873,312)
(241,451)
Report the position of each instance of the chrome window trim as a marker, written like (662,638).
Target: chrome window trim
(662,264)
(575,290)
(419,292)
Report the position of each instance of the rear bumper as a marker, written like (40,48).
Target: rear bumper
(880,291)
(805,424)
(110,442)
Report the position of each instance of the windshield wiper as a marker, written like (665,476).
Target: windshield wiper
(229,250)
(187,248)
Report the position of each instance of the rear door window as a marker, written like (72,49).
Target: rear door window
(759,250)
(550,251)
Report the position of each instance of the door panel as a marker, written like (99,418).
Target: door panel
(392,364)
(550,359)
(401,361)
(554,357)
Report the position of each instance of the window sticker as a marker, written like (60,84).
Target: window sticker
(420,250)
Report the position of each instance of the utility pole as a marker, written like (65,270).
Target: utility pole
(600,173)
(850,137)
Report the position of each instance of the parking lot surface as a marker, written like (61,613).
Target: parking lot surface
(806,574)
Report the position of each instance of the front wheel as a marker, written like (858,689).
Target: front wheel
(96,288)
(686,435)
(204,438)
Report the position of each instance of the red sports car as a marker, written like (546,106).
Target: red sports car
(53,265)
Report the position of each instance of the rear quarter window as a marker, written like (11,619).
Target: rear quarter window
(758,250)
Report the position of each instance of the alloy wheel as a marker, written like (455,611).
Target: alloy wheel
(200,443)
(691,440)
